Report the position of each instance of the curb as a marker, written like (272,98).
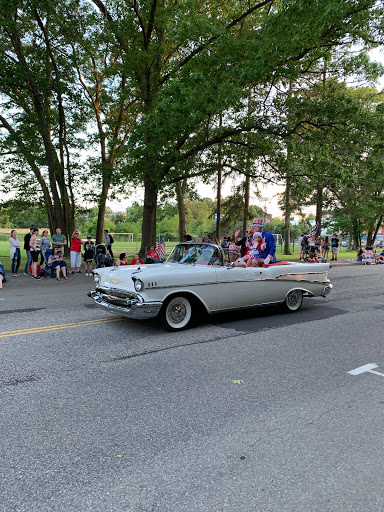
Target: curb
(344,264)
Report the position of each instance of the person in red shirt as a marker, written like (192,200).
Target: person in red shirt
(137,261)
(76,244)
(122,260)
(152,256)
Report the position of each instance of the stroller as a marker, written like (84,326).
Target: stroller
(311,254)
(101,257)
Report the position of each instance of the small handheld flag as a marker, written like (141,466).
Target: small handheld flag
(160,247)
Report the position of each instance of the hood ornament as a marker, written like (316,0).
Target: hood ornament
(114,279)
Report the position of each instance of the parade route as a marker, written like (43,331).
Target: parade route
(245,412)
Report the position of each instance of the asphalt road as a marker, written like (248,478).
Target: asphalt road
(246,412)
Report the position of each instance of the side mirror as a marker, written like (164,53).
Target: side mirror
(230,265)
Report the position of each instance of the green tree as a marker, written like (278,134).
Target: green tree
(186,62)
(38,118)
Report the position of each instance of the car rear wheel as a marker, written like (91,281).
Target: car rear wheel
(293,300)
(176,314)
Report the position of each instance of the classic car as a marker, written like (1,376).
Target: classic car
(196,278)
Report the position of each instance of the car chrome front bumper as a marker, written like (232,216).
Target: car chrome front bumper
(130,306)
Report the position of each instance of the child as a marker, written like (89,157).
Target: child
(368,256)
(89,254)
(314,257)
(255,253)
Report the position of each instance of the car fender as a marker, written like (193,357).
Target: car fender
(188,293)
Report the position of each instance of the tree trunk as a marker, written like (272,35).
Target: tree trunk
(247,186)
(219,183)
(350,231)
(102,206)
(149,215)
(218,198)
(180,194)
(319,209)
(287,217)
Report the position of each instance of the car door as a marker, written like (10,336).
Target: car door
(239,287)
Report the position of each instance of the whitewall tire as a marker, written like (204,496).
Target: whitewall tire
(293,300)
(176,314)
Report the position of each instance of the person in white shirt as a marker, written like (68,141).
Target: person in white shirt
(15,245)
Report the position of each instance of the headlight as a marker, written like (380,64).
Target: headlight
(139,285)
(96,278)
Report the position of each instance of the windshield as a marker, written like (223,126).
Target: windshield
(201,254)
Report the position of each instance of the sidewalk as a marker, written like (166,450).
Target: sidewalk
(343,263)
(27,282)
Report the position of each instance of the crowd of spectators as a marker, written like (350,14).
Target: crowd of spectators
(255,248)
(44,253)
(47,254)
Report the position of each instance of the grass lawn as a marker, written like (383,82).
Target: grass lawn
(132,247)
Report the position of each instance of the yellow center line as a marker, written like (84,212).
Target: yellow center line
(58,327)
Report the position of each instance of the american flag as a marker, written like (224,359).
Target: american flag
(314,231)
(160,247)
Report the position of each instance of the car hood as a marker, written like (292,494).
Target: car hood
(155,275)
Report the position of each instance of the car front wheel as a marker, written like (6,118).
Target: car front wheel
(293,300)
(176,314)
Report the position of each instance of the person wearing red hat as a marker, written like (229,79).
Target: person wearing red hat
(234,256)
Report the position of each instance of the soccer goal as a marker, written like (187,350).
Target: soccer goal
(122,237)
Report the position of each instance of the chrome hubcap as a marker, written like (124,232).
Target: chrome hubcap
(293,298)
(177,312)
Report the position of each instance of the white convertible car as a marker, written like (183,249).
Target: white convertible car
(195,278)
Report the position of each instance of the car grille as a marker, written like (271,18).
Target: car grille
(117,297)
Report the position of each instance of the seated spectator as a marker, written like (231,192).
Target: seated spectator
(380,257)
(137,261)
(152,256)
(122,260)
(58,264)
(368,256)
(359,255)
(314,256)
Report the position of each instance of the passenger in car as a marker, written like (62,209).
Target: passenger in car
(256,250)
(244,242)
(270,247)
(234,256)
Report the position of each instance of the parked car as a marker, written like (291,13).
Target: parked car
(344,242)
(195,277)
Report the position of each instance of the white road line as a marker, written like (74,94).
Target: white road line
(376,373)
(369,368)
(362,369)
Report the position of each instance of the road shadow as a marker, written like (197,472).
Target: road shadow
(270,317)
